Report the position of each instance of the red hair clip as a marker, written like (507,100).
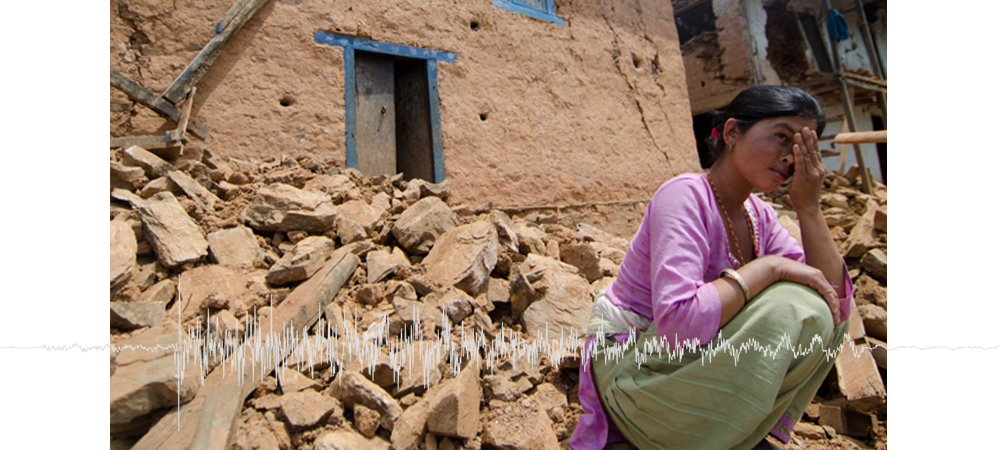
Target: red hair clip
(715,133)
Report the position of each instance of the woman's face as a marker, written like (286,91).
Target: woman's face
(763,154)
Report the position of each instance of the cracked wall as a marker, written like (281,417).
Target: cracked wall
(531,113)
(717,63)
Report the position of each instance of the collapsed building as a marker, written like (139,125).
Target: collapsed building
(729,45)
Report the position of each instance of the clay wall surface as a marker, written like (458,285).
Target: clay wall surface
(532,113)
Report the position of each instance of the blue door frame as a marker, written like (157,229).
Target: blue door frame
(431,57)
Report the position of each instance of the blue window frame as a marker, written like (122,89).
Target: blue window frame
(539,9)
(431,57)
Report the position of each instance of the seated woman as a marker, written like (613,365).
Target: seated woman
(710,264)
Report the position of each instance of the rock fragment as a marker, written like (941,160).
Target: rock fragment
(307,257)
(175,238)
(306,408)
(234,247)
(123,248)
(132,315)
(420,225)
(455,410)
(280,207)
(464,257)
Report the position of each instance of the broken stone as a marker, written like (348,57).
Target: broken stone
(846,421)
(564,305)
(608,268)
(353,388)
(505,231)
(152,165)
(552,249)
(349,231)
(881,220)
(520,428)
(125,177)
(234,247)
(875,321)
(343,439)
(792,227)
(145,277)
(498,290)
(256,434)
(203,197)
(132,315)
(123,248)
(161,292)
(366,420)
(876,264)
(339,187)
(809,431)
(123,195)
(504,387)
(859,380)
(359,212)
(464,257)
(862,237)
(583,257)
(455,410)
(307,257)
(306,408)
(212,287)
(293,381)
(370,294)
(280,207)
(593,234)
(175,238)
(522,293)
(224,321)
(529,239)
(420,225)
(146,380)
(382,264)
(381,202)
(409,310)
(280,430)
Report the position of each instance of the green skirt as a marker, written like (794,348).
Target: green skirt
(785,342)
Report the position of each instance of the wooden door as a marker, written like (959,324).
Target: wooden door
(376,114)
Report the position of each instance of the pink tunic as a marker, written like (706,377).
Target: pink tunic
(680,248)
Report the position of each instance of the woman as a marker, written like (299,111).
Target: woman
(710,264)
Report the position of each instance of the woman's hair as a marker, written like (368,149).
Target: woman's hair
(763,102)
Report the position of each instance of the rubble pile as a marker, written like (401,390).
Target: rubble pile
(201,242)
(199,239)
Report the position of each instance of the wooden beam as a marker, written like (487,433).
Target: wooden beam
(152,101)
(237,15)
(861,137)
(179,428)
(146,142)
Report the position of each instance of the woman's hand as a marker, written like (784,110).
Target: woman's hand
(786,269)
(809,170)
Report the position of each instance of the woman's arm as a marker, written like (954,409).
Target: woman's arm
(765,271)
(821,252)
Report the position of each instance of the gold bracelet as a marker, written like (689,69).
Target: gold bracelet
(736,276)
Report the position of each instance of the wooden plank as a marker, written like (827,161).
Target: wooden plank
(879,352)
(162,107)
(146,142)
(858,377)
(300,309)
(861,137)
(240,12)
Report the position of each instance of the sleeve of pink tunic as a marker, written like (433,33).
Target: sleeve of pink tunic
(686,306)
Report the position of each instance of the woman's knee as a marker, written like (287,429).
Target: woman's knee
(797,301)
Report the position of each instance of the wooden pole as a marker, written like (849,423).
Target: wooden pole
(873,58)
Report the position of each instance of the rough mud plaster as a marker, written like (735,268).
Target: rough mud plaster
(568,117)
